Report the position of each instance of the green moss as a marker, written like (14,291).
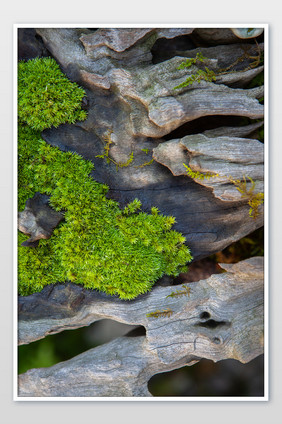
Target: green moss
(254,199)
(106,156)
(98,245)
(45,95)
(184,292)
(199,175)
(157,314)
(27,157)
(119,252)
(206,74)
(192,61)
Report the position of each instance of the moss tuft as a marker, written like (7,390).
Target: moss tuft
(45,95)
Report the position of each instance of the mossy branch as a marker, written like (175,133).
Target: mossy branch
(254,199)
(207,74)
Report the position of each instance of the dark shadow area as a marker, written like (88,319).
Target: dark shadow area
(30,44)
(207,123)
(247,247)
(165,48)
(206,378)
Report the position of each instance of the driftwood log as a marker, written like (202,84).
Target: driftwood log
(217,318)
(130,77)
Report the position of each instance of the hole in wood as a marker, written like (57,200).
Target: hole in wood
(211,323)
(205,315)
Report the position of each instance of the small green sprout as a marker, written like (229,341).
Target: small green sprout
(254,199)
(106,156)
(157,314)
(185,292)
(199,175)
(145,164)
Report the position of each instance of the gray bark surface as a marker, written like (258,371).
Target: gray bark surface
(225,156)
(134,98)
(217,318)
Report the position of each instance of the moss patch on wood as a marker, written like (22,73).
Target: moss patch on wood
(99,245)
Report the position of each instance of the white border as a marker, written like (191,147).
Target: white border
(266,216)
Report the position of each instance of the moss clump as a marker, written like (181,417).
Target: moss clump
(120,252)
(27,156)
(45,95)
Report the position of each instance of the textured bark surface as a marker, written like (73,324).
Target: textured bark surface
(131,96)
(217,318)
(228,157)
(38,219)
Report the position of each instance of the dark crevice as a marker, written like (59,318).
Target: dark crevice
(201,41)
(198,270)
(207,123)
(211,323)
(30,44)
(165,49)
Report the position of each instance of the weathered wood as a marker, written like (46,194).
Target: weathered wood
(38,219)
(231,158)
(217,318)
(136,100)
(217,35)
